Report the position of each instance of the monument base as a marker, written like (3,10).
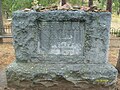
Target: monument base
(65,86)
(36,76)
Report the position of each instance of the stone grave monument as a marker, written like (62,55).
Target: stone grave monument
(61,50)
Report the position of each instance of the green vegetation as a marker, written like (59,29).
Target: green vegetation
(8,6)
(1,20)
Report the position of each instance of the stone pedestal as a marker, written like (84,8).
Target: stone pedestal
(61,50)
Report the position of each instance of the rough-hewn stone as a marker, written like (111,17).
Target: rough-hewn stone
(45,33)
(55,46)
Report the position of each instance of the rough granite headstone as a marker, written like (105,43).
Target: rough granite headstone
(61,50)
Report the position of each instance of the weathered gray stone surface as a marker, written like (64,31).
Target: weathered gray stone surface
(72,45)
(75,73)
(61,36)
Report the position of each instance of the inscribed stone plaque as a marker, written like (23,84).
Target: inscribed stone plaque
(61,38)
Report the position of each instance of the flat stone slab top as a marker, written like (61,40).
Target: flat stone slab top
(65,45)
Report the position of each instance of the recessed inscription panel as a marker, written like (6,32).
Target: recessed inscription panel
(61,38)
